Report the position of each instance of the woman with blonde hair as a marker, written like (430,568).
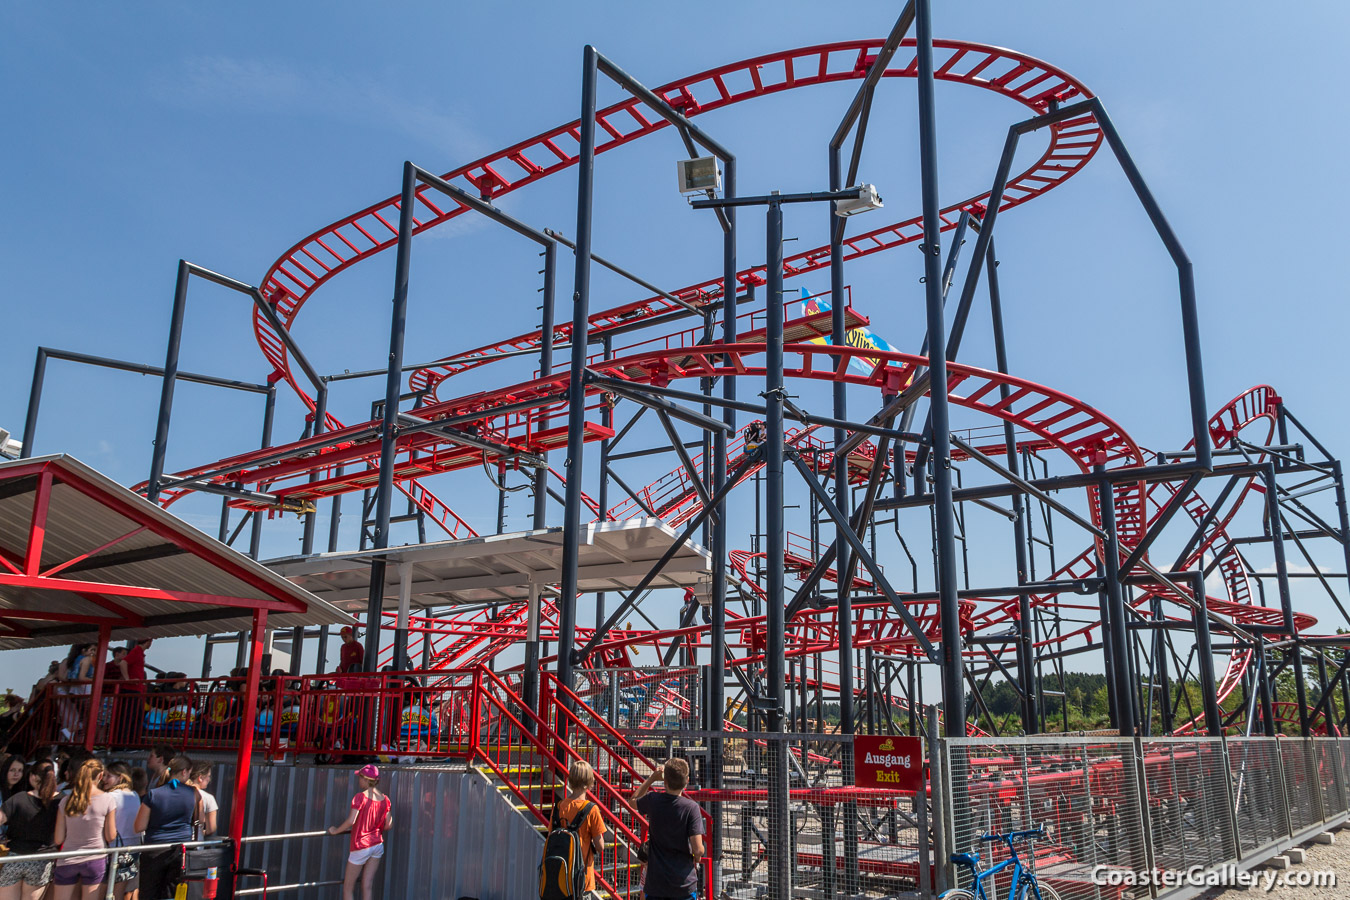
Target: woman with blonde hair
(86,820)
(120,784)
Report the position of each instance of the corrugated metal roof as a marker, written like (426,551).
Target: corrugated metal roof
(501,567)
(117,537)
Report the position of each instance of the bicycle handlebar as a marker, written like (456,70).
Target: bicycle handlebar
(1014,835)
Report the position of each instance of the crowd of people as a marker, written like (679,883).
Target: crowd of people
(134,711)
(79,802)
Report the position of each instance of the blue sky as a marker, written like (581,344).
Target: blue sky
(141,133)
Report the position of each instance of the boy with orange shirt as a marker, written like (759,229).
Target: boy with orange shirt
(580,779)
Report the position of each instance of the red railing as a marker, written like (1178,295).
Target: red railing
(472,715)
(610,753)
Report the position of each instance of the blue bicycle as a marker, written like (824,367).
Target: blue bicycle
(1024,884)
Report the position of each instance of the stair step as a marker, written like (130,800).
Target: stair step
(531,787)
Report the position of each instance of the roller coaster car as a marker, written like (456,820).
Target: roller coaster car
(754,434)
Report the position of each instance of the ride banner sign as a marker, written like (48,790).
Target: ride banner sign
(888,762)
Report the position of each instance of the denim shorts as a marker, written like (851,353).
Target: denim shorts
(91,871)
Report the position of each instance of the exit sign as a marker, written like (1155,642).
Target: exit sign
(888,762)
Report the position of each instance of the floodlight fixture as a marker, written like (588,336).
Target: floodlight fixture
(868,199)
(9,448)
(699,175)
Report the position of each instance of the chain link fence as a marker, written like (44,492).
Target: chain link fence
(1127,818)
(826,839)
(667,697)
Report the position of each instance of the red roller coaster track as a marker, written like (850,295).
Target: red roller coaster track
(517,417)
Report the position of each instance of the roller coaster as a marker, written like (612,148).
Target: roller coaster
(751,652)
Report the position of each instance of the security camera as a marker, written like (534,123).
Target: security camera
(868,199)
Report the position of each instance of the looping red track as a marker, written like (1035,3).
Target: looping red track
(518,416)
(307,266)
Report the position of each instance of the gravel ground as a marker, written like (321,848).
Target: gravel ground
(1321,857)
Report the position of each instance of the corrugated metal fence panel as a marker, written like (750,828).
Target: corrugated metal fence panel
(453,834)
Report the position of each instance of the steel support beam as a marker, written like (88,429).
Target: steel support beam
(384,493)
(944,538)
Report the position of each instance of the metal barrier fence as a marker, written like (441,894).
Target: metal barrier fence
(655,697)
(1128,817)
(831,840)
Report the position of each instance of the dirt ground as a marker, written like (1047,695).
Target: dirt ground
(1325,857)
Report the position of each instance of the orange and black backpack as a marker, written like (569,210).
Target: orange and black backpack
(562,871)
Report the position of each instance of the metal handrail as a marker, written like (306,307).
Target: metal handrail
(110,874)
(106,851)
(256,838)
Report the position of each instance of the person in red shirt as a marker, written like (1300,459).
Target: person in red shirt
(370,818)
(136,661)
(353,655)
(130,703)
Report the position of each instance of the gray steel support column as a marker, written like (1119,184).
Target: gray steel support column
(1115,608)
(602,492)
(717,633)
(1264,689)
(34,403)
(321,655)
(1164,680)
(953,682)
(1342,516)
(269,415)
(320,417)
(1026,653)
(576,387)
(1190,317)
(389,430)
(297,645)
(540,517)
(780,864)
(1204,652)
(167,385)
(335,519)
(844,595)
(1286,602)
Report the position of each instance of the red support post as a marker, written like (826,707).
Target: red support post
(248,721)
(96,691)
(32,560)
(475,713)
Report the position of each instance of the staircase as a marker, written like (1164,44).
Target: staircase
(526,755)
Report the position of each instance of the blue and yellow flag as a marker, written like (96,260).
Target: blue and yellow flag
(863,338)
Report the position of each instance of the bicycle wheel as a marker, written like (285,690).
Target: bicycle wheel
(956,894)
(1047,892)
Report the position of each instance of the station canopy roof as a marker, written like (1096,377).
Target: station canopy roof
(79,552)
(501,567)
